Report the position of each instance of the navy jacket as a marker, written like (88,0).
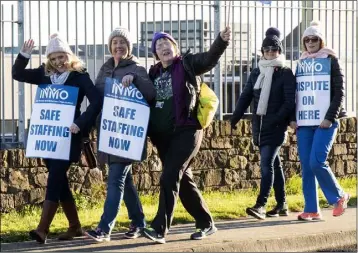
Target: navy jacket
(84,121)
(271,128)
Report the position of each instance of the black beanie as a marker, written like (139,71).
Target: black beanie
(272,39)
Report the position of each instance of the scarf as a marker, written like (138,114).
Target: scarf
(322,53)
(264,81)
(59,78)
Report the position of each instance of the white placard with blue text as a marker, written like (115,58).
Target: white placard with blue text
(124,122)
(52,115)
(313,98)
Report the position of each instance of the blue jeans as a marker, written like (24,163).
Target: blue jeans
(120,185)
(314,144)
(271,175)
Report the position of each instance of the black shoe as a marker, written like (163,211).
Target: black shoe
(279,210)
(98,235)
(202,233)
(151,234)
(258,212)
(133,232)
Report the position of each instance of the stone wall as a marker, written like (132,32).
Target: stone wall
(225,162)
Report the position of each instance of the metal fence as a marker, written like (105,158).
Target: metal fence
(194,24)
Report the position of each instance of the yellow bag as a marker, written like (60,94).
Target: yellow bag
(208,104)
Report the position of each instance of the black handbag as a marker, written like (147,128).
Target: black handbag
(88,153)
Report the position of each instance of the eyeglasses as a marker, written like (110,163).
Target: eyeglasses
(270,48)
(313,39)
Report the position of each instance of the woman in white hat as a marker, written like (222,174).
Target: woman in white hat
(315,141)
(63,68)
(126,68)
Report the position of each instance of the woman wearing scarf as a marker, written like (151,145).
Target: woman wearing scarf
(176,132)
(315,142)
(62,68)
(271,86)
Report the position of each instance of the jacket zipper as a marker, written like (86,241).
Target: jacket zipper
(260,130)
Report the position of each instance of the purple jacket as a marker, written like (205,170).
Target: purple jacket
(186,82)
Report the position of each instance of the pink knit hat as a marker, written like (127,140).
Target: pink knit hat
(57,44)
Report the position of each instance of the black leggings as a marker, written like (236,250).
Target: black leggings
(58,188)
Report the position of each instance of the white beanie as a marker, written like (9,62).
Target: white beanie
(124,33)
(314,30)
(57,44)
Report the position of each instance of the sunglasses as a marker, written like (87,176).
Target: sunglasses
(314,40)
(270,48)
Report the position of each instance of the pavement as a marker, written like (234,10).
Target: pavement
(282,234)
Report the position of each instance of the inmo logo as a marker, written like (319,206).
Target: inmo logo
(119,89)
(309,66)
(53,93)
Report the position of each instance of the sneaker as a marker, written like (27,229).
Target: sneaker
(151,234)
(133,232)
(310,217)
(258,212)
(98,235)
(202,233)
(279,210)
(341,205)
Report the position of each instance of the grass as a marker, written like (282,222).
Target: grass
(223,206)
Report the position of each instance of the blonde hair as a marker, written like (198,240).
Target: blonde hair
(74,64)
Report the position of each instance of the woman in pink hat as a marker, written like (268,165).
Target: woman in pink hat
(315,141)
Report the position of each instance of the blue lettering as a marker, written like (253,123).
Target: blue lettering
(46,145)
(104,124)
(309,114)
(308,100)
(312,85)
(119,143)
(123,112)
(50,114)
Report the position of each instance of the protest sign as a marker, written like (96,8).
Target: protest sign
(124,122)
(52,115)
(313,98)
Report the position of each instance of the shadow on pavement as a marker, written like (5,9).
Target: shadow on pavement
(128,244)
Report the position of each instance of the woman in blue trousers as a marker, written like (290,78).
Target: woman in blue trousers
(125,67)
(316,141)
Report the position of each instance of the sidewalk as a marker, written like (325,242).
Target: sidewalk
(244,235)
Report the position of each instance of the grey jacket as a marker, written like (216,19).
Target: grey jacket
(141,81)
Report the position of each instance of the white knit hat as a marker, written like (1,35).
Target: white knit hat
(124,33)
(57,44)
(314,30)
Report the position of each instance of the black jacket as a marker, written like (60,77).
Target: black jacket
(269,129)
(336,109)
(84,121)
(196,65)
(141,81)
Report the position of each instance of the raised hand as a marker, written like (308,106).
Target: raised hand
(28,46)
(226,34)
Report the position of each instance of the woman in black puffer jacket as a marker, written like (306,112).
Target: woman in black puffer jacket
(272,89)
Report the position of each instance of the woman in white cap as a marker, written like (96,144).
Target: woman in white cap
(315,141)
(63,68)
(125,67)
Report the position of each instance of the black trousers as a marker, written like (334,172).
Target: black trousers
(58,188)
(176,152)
